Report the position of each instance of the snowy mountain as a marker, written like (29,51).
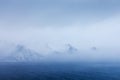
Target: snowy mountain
(19,53)
(68,50)
(71,49)
(22,54)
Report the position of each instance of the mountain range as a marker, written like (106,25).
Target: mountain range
(20,53)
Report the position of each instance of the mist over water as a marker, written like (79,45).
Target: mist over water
(20,53)
(59,40)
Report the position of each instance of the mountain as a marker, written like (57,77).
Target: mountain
(68,51)
(23,54)
(71,49)
(19,53)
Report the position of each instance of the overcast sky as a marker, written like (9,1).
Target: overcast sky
(43,23)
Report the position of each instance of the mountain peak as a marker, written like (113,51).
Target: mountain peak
(23,54)
(71,49)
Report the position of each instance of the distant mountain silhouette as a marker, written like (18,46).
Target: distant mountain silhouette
(71,49)
(22,54)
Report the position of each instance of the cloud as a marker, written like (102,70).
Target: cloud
(81,25)
(104,34)
(54,13)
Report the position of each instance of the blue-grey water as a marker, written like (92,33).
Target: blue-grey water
(59,71)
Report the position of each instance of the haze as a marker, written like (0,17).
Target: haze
(44,25)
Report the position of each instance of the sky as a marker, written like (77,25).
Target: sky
(46,24)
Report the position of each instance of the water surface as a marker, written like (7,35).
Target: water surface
(59,71)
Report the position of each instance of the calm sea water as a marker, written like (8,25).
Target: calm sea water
(59,71)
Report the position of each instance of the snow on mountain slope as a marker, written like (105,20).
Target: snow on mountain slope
(70,53)
(22,54)
(71,49)
(67,51)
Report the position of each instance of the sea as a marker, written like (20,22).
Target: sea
(59,71)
